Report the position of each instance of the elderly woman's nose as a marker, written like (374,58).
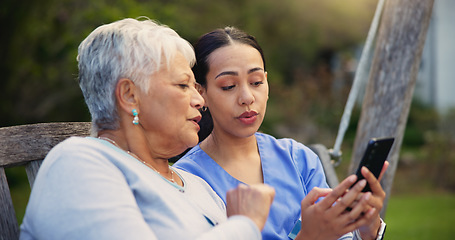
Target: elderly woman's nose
(197,100)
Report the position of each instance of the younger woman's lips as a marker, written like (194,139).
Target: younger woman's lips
(248,117)
(248,114)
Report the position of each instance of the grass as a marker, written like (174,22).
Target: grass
(420,217)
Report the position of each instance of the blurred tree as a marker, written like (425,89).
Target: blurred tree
(40,40)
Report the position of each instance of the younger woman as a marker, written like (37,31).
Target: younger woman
(231,71)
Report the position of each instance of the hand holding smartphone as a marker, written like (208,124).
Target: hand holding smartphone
(375,155)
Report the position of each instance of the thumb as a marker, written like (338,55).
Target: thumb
(384,168)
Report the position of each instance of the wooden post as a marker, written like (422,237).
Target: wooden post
(393,74)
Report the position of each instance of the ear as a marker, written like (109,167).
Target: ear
(127,95)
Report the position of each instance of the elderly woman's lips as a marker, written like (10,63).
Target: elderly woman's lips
(195,121)
(197,126)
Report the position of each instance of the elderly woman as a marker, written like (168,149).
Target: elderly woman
(137,82)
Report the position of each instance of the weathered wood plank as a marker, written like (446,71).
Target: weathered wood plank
(20,144)
(9,228)
(31,169)
(28,144)
(392,79)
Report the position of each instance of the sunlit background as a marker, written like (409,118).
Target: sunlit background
(311,47)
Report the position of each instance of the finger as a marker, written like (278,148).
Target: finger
(338,192)
(367,217)
(349,198)
(362,220)
(233,194)
(384,168)
(359,207)
(314,195)
(231,200)
(264,189)
(374,183)
(362,214)
(356,200)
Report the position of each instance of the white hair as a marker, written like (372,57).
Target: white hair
(129,48)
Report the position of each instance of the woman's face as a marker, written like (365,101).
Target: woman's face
(237,90)
(169,110)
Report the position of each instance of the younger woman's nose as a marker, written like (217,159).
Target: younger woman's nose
(246,97)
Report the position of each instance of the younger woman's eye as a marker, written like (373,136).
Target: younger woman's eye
(228,87)
(258,83)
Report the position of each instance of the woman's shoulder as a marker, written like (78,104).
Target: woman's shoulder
(281,142)
(194,156)
(285,148)
(188,177)
(198,185)
(70,146)
(74,142)
(78,152)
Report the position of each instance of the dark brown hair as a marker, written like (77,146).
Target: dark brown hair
(207,44)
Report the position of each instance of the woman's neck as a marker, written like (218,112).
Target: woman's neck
(141,151)
(238,156)
(229,145)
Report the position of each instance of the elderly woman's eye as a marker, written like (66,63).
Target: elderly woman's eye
(183,86)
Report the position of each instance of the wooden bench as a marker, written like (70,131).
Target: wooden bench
(28,145)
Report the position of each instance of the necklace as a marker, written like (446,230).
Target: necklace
(140,160)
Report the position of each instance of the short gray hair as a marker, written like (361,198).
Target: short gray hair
(129,48)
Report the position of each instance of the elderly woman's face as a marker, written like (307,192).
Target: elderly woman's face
(169,110)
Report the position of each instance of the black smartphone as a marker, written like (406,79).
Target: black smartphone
(375,155)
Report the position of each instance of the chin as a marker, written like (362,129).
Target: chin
(193,141)
(248,132)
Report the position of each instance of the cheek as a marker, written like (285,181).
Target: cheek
(262,96)
(220,104)
(211,99)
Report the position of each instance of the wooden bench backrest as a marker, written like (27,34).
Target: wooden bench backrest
(28,145)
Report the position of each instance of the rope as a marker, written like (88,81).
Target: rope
(360,75)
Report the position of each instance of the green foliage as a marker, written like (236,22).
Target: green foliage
(41,38)
(19,188)
(427,158)
(420,117)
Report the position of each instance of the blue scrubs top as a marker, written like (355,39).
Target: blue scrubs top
(287,165)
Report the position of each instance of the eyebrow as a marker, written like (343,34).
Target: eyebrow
(255,69)
(232,73)
(227,73)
